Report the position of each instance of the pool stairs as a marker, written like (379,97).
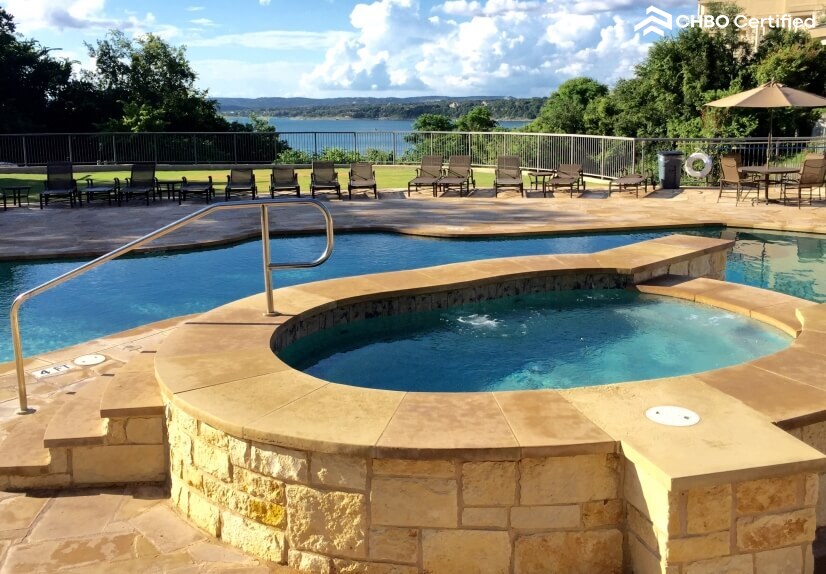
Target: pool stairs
(109,431)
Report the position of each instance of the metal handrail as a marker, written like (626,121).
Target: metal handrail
(268,267)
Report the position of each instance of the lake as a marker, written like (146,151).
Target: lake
(355,125)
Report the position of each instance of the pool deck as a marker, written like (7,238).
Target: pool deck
(90,231)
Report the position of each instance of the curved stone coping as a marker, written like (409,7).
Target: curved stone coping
(220,369)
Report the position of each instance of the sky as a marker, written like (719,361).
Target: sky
(332,48)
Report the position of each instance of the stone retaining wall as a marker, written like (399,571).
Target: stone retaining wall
(335,513)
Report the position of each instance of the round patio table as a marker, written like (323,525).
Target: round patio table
(539,176)
(17,194)
(767,172)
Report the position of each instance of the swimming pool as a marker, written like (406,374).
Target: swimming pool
(555,340)
(135,291)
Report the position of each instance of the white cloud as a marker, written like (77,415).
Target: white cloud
(194,8)
(236,78)
(205,22)
(273,40)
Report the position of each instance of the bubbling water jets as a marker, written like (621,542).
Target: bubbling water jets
(480,321)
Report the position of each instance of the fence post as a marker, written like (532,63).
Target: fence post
(538,143)
(315,145)
(430,135)
(195,147)
(395,150)
(234,148)
(572,150)
(114,150)
(25,152)
(634,156)
(602,156)
(69,142)
(355,145)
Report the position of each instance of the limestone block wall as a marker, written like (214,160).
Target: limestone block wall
(325,513)
(815,436)
(758,526)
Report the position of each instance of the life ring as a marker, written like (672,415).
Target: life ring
(689,165)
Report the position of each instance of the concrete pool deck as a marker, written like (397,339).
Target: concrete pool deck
(91,231)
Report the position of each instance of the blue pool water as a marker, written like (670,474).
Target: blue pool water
(130,292)
(553,340)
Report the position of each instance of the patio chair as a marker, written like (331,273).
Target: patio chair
(822,187)
(427,174)
(508,174)
(240,181)
(324,178)
(284,178)
(142,181)
(810,177)
(626,182)
(60,184)
(731,176)
(458,174)
(204,188)
(362,176)
(102,191)
(568,175)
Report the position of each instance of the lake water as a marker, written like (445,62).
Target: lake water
(355,125)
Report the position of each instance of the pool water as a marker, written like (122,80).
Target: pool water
(554,340)
(129,292)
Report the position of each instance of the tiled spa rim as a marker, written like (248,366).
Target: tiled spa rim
(333,478)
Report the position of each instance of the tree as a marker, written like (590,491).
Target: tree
(433,123)
(476,120)
(564,111)
(149,85)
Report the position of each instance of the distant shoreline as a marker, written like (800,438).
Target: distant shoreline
(230,117)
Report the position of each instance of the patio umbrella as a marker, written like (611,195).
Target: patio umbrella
(771,95)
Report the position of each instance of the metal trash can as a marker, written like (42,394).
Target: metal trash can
(670,165)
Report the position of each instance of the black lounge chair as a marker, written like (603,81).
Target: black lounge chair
(142,182)
(362,176)
(626,182)
(324,178)
(204,188)
(60,184)
(427,174)
(568,175)
(458,174)
(284,179)
(240,181)
(508,174)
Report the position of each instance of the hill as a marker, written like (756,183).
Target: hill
(502,107)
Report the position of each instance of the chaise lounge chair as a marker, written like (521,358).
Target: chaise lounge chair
(284,178)
(324,178)
(458,174)
(427,174)
(362,176)
(508,174)
(204,188)
(731,176)
(60,183)
(240,181)
(141,182)
(626,182)
(567,175)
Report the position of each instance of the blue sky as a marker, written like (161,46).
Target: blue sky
(331,48)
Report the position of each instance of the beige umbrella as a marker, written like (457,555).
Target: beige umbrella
(771,95)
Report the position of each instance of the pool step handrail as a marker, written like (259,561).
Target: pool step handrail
(268,267)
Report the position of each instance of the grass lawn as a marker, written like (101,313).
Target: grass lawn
(387,177)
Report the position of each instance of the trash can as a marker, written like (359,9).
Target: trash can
(670,165)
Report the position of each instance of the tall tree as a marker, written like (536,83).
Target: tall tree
(564,111)
(477,120)
(433,123)
(150,86)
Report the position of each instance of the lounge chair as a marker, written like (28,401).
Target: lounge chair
(567,175)
(284,179)
(60,184)
(142,181)
(107,191)
(508,174)
(810,177)
(458,174)
(626,182)
(324,178)
(427,174)
(204,188)
(823,179)
(240,181)
(730,167)
(362,176)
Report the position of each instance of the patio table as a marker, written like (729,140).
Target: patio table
(172,187)
(17,194)
(767,172)
(537,176)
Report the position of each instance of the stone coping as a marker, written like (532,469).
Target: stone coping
(220,369)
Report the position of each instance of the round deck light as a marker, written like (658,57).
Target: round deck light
(673,416)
